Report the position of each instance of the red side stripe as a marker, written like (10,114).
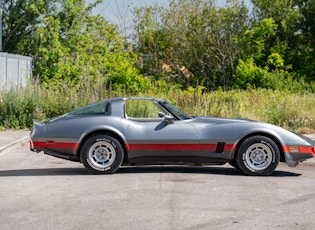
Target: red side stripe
(56,145)
(188,147)
(230,147)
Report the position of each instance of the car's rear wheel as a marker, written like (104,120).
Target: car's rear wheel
(102,154)
(258,156)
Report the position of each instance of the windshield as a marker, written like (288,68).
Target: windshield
(102,108)
(175,111)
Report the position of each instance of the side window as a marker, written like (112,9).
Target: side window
(141,109)
(100,108)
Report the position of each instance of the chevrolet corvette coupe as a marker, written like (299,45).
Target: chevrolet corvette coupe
(139,130)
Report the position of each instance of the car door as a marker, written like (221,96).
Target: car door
(160,138)
(149,134)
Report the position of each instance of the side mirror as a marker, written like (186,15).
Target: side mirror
(161,114)
(167,118)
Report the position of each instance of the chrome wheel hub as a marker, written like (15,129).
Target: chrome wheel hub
(102,154)
(258,156)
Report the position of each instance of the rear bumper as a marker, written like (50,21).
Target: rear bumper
(33,148)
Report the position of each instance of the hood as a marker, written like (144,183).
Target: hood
(217,120)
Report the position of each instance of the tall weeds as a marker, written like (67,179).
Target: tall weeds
(18,107)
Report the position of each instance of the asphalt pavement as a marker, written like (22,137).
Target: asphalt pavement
(42,192)
(11,139)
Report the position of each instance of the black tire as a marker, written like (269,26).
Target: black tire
(234,164)
(102,154)
(258,156)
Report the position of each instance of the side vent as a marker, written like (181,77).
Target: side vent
(220,147)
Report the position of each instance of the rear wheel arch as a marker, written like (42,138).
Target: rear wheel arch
(103,132)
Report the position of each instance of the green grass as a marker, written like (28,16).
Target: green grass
(290,110)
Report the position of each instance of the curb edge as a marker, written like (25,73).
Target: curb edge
(14,144)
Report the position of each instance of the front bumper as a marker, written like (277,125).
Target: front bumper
(295,154)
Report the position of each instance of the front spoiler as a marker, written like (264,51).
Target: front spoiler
(293,159)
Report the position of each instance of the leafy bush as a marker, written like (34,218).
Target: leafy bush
(17,109)
(250,76)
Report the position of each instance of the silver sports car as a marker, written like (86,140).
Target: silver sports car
(137,130)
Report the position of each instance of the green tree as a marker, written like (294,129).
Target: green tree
(302,56)
(19,18)
(73,45)
(255,44)
(194,39)
(152,41)
(292,45)
(70,44)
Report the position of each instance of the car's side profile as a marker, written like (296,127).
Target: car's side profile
(121,131)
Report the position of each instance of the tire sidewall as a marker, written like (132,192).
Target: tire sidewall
(99,170)
(241,156)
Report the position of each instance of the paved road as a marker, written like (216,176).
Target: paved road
(11,139)
(42,192)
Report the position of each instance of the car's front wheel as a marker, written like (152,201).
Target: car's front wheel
(258,156)
(234,164)
(102,154)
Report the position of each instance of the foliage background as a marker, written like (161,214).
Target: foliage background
(229,61)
